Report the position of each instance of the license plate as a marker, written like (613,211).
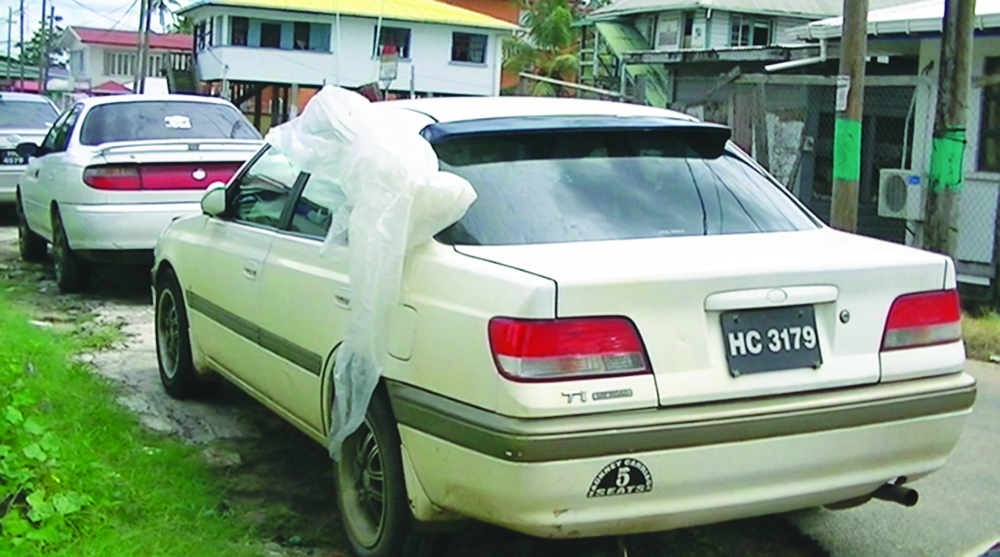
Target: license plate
(11,158)
(760,340)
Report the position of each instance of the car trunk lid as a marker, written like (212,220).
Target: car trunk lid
(679,291)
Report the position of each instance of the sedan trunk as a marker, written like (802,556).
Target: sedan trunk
(824,294)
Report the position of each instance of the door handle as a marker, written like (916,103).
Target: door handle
(343,298)
(250,269)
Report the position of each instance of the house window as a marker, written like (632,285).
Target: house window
(395,37)
(239,30)
(989,127)
(688,29)
(119,63)
(270,35)
(468,47)
(217,35)
(750,31)
(301,36)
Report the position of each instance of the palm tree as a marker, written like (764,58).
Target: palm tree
(549,47)
(164,9)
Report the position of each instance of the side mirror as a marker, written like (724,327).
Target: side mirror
(27,150)
(213,203)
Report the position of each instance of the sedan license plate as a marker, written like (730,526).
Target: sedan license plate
(11,158)
(759,340)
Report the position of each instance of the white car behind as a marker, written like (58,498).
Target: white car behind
(113,172)
(23,118)
(633,328)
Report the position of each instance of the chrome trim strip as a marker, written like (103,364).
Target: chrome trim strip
(178,207)
(618,433)
(302,357)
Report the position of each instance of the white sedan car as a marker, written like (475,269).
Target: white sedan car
(113,172)
(633,328)
(23,118)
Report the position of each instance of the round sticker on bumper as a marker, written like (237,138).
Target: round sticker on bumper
(625,476)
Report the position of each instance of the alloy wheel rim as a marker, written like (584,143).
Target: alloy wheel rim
(362,475)
(168,333)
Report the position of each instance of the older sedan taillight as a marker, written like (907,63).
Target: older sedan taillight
(923,319)
(113,177)
(566,349)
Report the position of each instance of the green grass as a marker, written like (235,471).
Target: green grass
(982,335)
(79,476)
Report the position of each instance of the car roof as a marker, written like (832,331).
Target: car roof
(24,97)
(454,109)
(117,99)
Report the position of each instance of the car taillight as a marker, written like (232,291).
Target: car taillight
(114,177)
(185,176)
(159,176)
(923,319)
(566,349)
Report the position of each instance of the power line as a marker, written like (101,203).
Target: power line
(124,15)
(93,11)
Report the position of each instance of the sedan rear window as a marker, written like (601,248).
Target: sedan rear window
(155,120)
(572,186)
(26,115)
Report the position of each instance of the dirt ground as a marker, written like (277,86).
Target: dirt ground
(281,480)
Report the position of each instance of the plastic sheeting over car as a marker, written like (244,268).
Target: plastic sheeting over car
(395,199)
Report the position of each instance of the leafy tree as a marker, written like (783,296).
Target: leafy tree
(183,25)
(550,44)
(34,49)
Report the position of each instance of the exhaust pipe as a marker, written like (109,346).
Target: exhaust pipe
(897,493)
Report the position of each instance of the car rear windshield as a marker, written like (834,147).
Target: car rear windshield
(571,186)
(30,115)
(155,120)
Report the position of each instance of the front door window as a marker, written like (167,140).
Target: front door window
(261,194)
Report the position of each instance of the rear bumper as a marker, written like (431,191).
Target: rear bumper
(121,226)
(9,176)
(705,463)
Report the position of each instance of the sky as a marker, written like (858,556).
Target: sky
(106,14)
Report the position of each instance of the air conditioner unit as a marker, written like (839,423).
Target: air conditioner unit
(901,194)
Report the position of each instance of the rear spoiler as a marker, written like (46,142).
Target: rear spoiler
(180,145)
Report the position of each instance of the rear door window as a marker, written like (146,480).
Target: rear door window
(571,186)
(58,137)
(160,120)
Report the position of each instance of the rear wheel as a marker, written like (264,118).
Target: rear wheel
(72,274)
(31,245)
(371,490)
(173,345)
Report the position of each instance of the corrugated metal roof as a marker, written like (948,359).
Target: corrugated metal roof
(170,41)
(919,17)
(796,8)
(428,11)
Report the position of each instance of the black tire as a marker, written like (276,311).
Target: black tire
(173,344)
(370,467)
(31,245)
(72,273)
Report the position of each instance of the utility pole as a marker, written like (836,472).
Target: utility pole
(847,131)
(20,49)
(948,148)
(140,66)
(48,48)
(45,50)
(10,29)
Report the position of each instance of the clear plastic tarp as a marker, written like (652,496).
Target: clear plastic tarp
(394,198)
